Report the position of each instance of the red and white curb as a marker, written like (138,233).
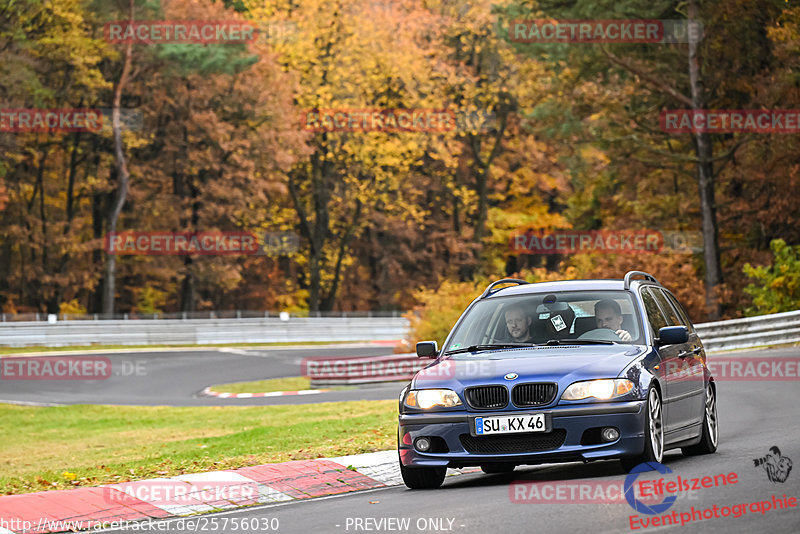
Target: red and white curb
(209,393)
(91,507)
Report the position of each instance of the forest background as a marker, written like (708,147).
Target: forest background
(567,137)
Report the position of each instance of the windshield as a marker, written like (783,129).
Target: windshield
(582,317)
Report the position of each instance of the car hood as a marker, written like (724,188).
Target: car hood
(563,365)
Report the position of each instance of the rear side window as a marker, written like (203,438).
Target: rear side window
(685,321)
(654,315)
(672,315)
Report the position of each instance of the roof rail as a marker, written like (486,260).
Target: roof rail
(647,276)
(503,281)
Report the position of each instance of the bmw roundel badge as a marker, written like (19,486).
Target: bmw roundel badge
(511,376)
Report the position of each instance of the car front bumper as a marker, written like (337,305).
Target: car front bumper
(576,423)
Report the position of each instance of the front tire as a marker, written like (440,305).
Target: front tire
(710,437)
(653,434)
(422,477)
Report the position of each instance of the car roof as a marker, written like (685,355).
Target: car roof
(567,285)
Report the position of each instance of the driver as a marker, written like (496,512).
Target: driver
(518,323)
(608,314)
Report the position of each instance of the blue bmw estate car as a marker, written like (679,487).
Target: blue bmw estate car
(577,370)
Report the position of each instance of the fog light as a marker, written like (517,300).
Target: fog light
(610,434)
(422,444)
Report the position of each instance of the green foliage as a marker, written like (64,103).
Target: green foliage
(777,287)
(206,60)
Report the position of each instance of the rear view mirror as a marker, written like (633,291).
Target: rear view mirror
(427,349)
(673,335)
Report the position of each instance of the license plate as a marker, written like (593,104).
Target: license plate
(511,424)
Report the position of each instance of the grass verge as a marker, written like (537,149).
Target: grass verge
(65,446)
(291,383)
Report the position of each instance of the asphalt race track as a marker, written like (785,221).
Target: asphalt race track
(754,416)
(176,378)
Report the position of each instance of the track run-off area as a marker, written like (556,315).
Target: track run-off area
(755,416)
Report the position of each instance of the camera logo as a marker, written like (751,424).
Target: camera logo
(777,467)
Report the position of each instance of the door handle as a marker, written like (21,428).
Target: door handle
(694,351)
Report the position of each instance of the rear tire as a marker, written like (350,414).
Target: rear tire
(710,437)
(494,469)
(423,477)
(653,434)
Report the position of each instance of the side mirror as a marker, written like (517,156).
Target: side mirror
(673,335)
(427,349)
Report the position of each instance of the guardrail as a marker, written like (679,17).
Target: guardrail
(776,328)
(207,314)
(202,331)
(348,326)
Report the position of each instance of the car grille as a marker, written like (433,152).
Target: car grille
(533,394)
(513,444)
(487,397)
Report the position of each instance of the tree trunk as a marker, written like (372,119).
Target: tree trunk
(482,177)
(705,179)
(99,202)
(318,230)
(330,298)
(189,284)
(70,209)
(123,176)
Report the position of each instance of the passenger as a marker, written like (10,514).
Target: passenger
(608,314)
(518,323)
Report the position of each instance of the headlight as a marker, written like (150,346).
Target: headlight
(428,398)
(604,389)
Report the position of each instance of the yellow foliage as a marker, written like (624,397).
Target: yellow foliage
(439,309)
(73,307)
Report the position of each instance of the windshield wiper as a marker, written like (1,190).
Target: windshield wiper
(580,342)
(475,348)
